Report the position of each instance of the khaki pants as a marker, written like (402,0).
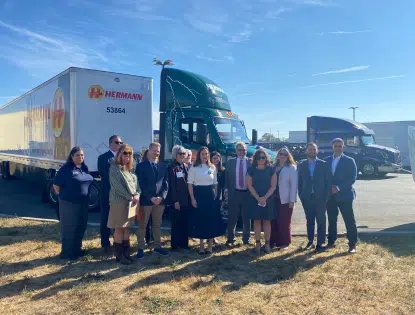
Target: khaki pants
(157,217)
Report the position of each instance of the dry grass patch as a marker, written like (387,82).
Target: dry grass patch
(379,279)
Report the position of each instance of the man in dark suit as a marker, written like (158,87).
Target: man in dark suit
(153,180)
(238,194)
(104,161)
(344,173)
(313,189)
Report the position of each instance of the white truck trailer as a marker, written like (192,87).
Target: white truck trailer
(78,107)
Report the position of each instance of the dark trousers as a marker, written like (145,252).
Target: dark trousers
(179,228)
(238,204)
(281,226)
(73,222)
(346,209)
(104,230)
(315,211)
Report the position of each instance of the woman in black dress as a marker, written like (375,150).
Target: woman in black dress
(178,198)
(205,220)
(262,181)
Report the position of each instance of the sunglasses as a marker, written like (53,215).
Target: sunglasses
(127,153)
(261,157)
(182,153)
(118,142)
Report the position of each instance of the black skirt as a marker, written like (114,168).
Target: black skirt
(205,221)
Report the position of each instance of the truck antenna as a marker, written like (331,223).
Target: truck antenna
(167,62)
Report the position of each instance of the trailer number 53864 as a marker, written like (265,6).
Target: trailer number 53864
(115,110)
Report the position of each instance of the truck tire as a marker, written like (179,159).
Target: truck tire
(369,169)
(5,170)
(93,203)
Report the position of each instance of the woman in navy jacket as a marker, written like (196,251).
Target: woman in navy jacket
(178,198)
(72,184)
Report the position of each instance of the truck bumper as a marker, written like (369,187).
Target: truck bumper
(390,168)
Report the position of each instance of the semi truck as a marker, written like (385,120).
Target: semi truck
(371,159)
(85,107)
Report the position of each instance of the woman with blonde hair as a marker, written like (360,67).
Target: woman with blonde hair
(124,198)
(261,181)
(285,197)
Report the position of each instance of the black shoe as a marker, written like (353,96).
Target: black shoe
(107,249)
(352,249)
(230,243)
(320,249)
(310,245)
(331,245)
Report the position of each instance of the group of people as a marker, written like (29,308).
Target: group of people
(256,190)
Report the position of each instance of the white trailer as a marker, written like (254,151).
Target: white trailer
(78,107)
(393,134)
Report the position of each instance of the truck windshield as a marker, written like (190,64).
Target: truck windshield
(230,130)
(368,140)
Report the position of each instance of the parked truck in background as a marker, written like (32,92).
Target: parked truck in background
(371,159)
(85,107)
(393,134)
(76,107)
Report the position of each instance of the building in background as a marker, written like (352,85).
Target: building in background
(297,136)
(393,134)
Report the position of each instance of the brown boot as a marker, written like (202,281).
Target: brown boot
(119,254)
(127,250)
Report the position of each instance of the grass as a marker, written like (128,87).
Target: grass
(379,279)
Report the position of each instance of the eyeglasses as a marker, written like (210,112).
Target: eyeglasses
(118,142)
(127,153)
(261,157)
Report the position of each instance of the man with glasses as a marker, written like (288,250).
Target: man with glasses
(238,194)
(314,189)
(344,171)
(104,162)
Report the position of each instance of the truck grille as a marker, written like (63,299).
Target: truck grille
(398,159)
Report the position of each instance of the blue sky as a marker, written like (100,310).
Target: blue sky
(279,61)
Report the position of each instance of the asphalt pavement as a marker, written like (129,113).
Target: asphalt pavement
(386,204)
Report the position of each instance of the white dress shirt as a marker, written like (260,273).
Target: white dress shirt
(335,163)
(244,166)
(202,175)
(115,153)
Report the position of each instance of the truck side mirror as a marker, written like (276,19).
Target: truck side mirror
(254,136)
(202,134)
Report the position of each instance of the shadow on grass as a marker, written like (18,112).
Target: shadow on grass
(240,269)
(400,245)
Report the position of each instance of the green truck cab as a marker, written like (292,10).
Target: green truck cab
(195,112)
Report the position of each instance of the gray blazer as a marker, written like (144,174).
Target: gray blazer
(230,175)
(288,184)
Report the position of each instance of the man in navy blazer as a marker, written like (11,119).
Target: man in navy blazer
(104,162)
(344,172)
(153,180)
(314,189)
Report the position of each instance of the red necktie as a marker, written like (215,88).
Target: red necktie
(241,175)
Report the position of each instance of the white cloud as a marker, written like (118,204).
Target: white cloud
(344,32)
(243,36)
(42,55)
(275,14)
(353,81)
(352,69)
(319,3)
(227,59)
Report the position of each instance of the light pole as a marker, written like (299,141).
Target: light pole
(354,111)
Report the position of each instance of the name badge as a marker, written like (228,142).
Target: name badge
(179,174)
(75,173)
